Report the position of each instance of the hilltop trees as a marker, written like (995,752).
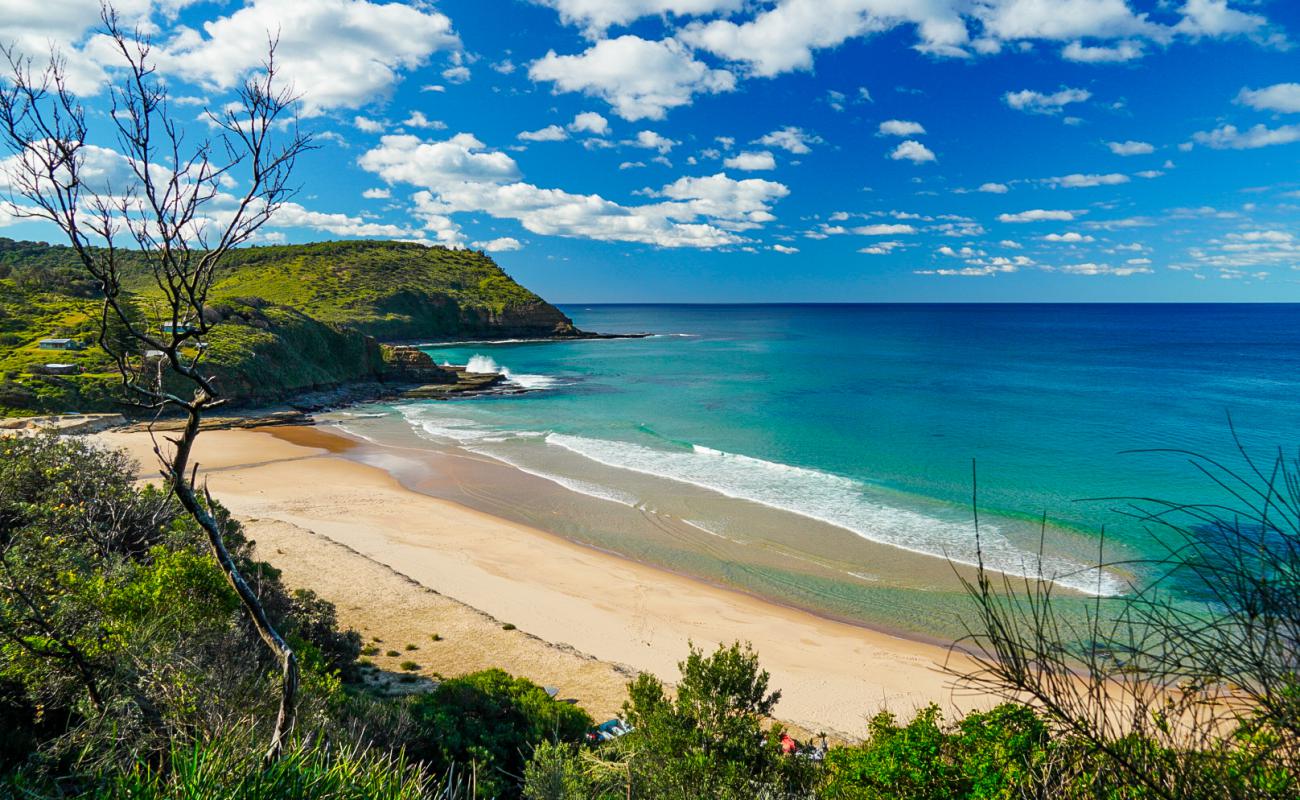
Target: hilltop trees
(174,211)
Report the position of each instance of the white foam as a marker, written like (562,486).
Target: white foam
(487,364)
(837,501)
(572,484)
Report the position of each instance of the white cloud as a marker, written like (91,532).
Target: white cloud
(336,53)
(597,15)
(1037,215)
(751,162)
(502,245)
(460,176)
(407,159)
(783,38)
(994,188)
(589,122)
(780,248)
(1227,137)
(1062,20)
(1283,97)
(1081,181)
(884,229)
(899,127)
(1104,269)
(1130,148)
(456,74)
(293,215)
(651,140)
(417,119)
(912,150)
(880,248)
(367,125)
(1069,238)
(376,194)
(1040,103)
(791,139)
(551,133)
(1126,50)
(1214,18)
(639,78)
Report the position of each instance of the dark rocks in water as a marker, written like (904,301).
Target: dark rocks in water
(465,383)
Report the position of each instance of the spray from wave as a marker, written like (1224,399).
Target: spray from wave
(486,364)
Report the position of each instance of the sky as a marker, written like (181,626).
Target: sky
(763,150)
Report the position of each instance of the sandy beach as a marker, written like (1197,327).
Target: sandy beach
(402,566)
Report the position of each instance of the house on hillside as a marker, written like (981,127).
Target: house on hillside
(60,344)
(178,328)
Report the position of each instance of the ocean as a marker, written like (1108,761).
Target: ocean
(828,456)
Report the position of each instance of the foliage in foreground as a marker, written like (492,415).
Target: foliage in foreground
(126,671)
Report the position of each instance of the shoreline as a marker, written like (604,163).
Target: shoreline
(287,433)
(588,603)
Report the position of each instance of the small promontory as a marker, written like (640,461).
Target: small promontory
(294,319)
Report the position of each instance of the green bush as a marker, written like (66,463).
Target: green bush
(709,741)
(493,721)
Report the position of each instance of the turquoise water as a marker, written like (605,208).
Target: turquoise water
(867,418)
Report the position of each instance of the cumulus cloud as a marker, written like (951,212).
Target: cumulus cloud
(1130,148)
(898,127)
(376,194)
(367,125)
(781,248)
(1215,18)
(1283,97)
(589,122)
(751,162)
(1038,215)
(1228,137)
(639,78)
(994,188)
(336,53)
(1081,181)
(784,38)
(1062,20)
(1040,103)
(1122,51)
(880,248)
(791,139)
(912,150)
(460,175)
(652,140)
(1105,269)
(884,229)
(1068,238)
(551,133)
(597,15)
(503,244)
(417,119)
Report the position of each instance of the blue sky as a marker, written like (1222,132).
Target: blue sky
(787,150)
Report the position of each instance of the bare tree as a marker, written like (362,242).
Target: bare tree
(1189,686)
(172,222)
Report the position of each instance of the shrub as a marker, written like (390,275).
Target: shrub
(709,741)
(410,666)
(986,756)
(494,721)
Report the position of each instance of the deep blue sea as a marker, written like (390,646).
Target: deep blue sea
(868,419)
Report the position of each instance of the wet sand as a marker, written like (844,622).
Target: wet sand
(402,565)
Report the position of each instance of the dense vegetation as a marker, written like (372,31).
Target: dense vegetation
(128,671)
(295,317)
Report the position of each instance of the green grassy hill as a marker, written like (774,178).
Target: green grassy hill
(294,318)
